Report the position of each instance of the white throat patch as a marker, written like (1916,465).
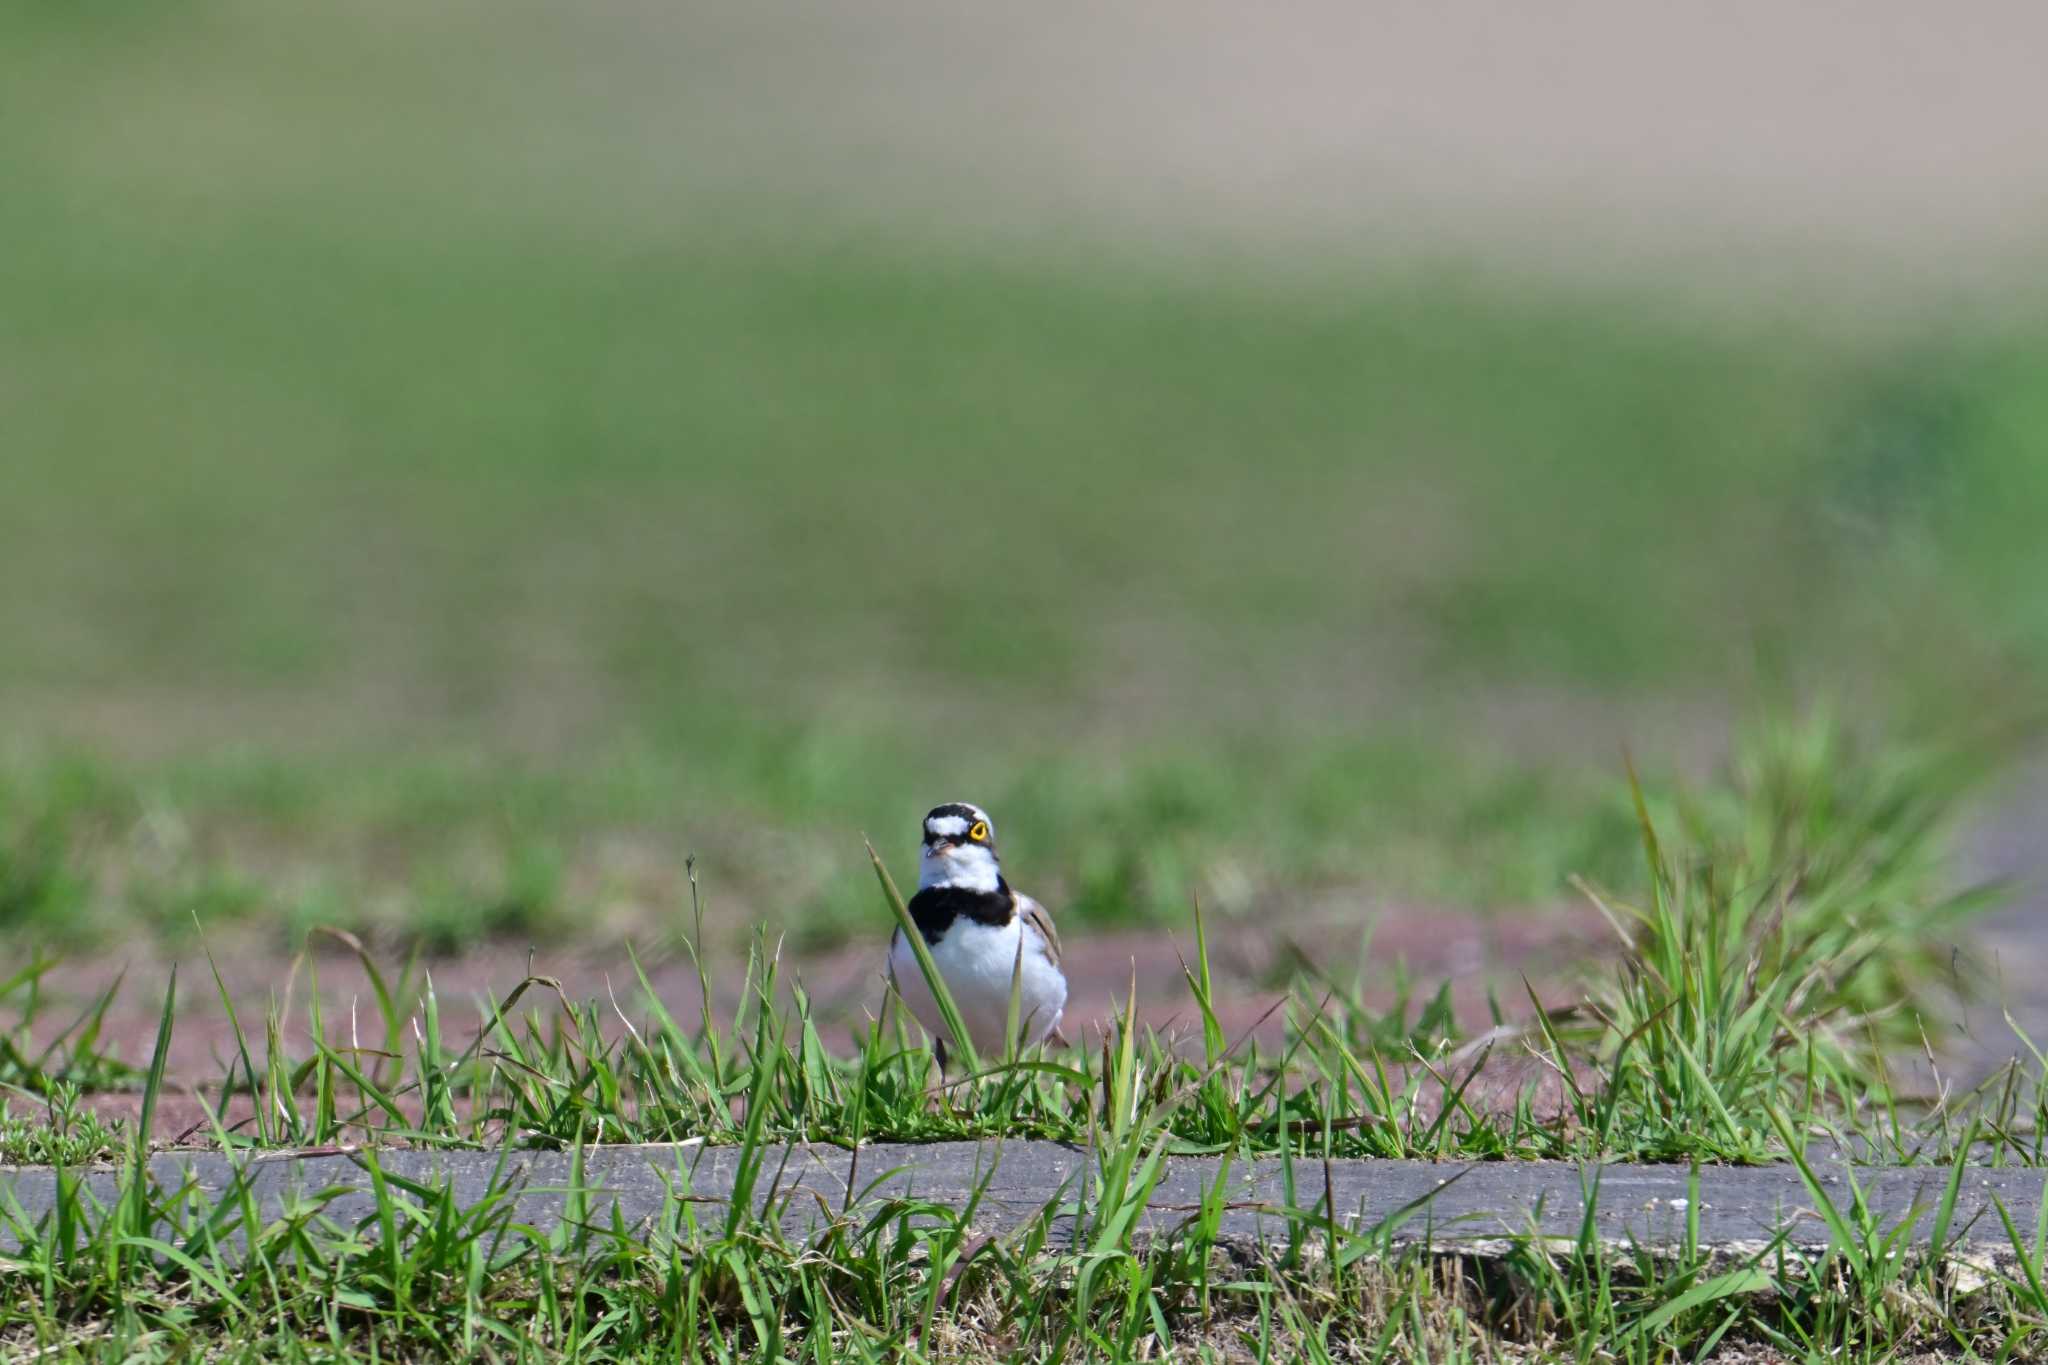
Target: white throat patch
(971,867)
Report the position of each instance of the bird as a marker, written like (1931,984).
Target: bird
(982,934)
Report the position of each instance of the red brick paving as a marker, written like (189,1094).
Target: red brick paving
(1248,962)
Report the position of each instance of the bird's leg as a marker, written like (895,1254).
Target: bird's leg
(939,1051)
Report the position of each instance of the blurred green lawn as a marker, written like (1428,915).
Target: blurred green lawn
(412,522)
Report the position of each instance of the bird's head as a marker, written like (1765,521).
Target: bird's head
(959,848)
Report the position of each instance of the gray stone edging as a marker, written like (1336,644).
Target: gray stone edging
(1453,1204)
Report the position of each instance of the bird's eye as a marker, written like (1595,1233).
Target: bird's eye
(980,832)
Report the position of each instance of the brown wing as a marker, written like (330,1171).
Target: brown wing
(1036,916)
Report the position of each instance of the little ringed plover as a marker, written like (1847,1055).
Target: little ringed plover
(981,933)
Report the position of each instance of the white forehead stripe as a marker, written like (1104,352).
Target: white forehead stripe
(946,824)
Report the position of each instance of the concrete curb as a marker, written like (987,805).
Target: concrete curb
(1472,1206)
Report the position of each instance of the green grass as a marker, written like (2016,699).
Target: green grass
(462,517)
(448,853)
(433,511)
(58,1133)
(425,1278)
(1783,960)
(1781,955)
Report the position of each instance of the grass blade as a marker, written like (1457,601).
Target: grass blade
(948,1011)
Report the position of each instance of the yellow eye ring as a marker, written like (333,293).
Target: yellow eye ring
(980,832)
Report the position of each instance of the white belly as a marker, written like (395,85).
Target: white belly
(977,961)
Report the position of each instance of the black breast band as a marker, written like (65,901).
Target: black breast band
(936,907)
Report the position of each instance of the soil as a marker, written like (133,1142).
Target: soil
(1475,954)
(1481,957)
